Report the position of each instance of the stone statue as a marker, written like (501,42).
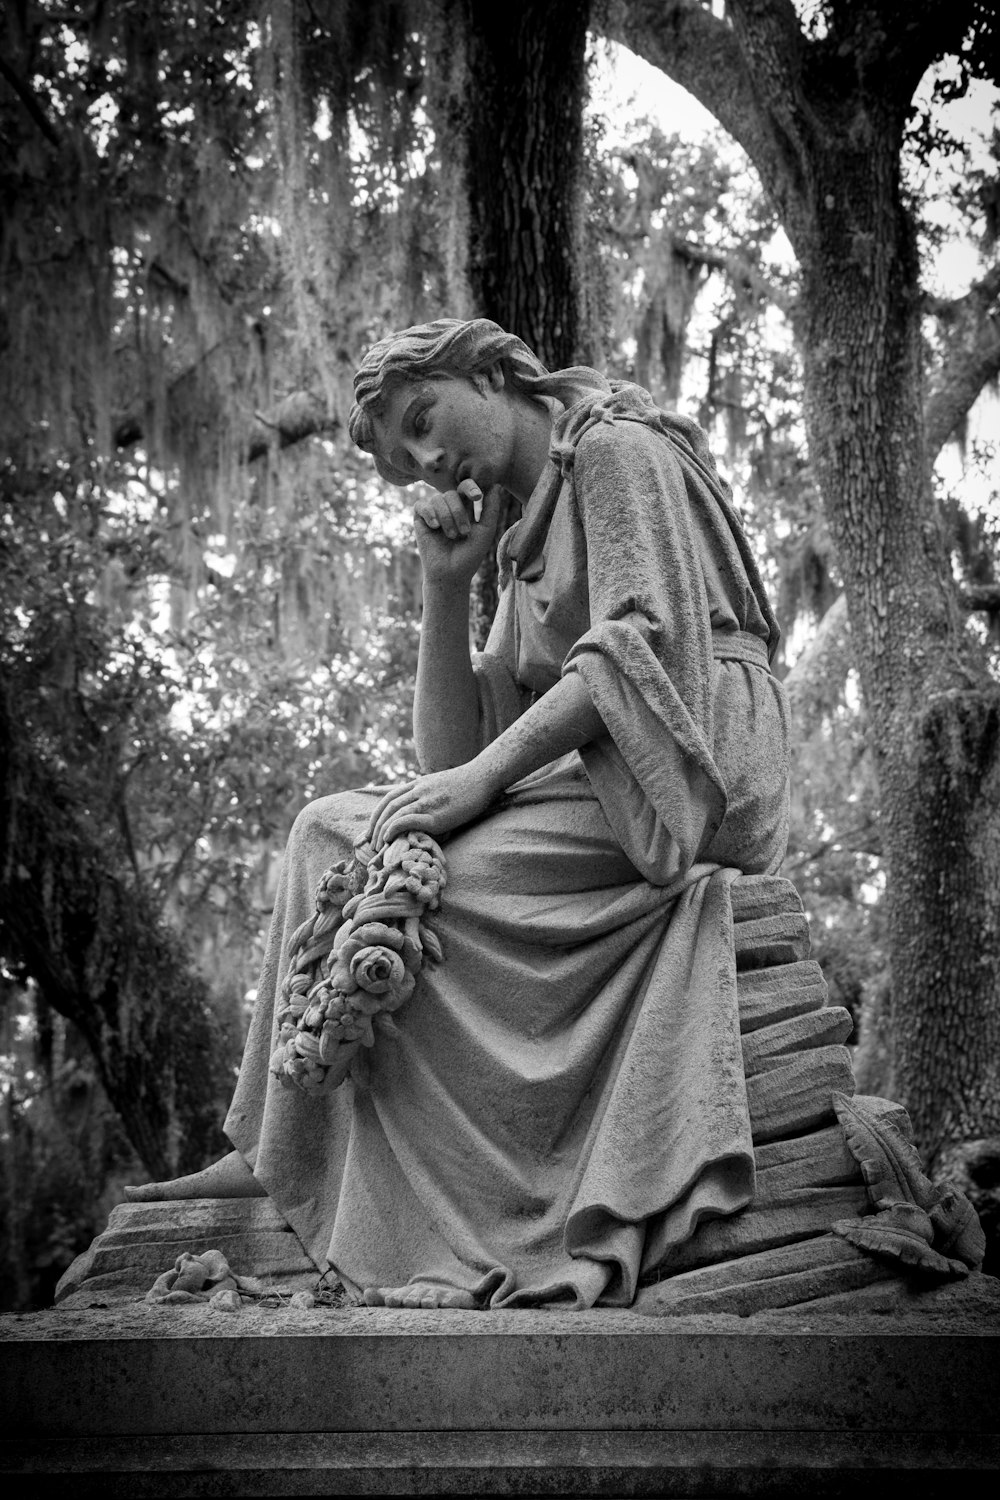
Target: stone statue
(503,1058)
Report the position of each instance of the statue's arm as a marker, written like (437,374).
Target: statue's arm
(562,719)
(446,710)
(446,706)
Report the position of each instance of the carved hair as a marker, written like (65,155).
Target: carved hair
(448,346)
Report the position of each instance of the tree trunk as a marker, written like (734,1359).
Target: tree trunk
(934,711)
(521,117)
(525,92)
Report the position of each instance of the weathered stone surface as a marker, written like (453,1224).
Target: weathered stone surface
(772,994)
(889,1110)
(781,1277)
(794,1400)
(943,1307)
(802,1213)
(771,1046)
(820,1159)
(144,1239)
(797,1097)
(933,1229)
(756,896)
(779,939)
(672,1463)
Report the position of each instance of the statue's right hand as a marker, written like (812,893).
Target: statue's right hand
(451,542)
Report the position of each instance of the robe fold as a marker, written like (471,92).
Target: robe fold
(562,1100)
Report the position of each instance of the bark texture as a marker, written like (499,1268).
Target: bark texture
(518,115)
(823,121)
(526,84)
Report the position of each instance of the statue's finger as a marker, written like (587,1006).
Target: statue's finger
(397,797)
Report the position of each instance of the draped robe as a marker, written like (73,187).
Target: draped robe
(562,1099)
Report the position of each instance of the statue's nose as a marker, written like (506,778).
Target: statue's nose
(430,458)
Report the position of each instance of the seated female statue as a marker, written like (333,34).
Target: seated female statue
(561,1100)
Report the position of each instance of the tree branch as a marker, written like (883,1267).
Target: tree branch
(980,596)
(971,334)
(910,37)
(297,417)
(737,267)
(813,684)
(701,53)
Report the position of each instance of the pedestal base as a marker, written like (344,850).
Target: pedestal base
(184,1401)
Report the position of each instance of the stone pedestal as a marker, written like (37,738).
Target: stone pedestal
(185,1401)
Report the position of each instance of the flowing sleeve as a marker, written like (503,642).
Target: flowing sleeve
(647,656)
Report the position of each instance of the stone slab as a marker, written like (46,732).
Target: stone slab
(756,896)
(820,1159)
(785,1276)
(801,1214)
(773,993)
(190,1371)
(797,1097)
(703,1463)
(779,939)
(769,1046)
(144,1239)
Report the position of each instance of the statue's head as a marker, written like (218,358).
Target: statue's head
(448,347)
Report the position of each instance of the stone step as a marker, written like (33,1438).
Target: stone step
(820,1159)
(281,1253)
(144,1239)
(772,1046)
(779,939)
(702,1462)
(774,993)
(376,1371)
(782,1277)
(796,1097)
(756,896)
(693,1462)
(801,1214)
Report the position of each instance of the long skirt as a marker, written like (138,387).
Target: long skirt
(562,1099)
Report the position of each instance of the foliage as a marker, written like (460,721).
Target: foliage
(62,1145)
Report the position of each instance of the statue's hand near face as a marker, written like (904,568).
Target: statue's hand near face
(451,540)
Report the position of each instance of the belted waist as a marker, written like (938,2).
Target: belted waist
(740,645)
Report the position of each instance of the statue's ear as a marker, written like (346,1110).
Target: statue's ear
(489,380)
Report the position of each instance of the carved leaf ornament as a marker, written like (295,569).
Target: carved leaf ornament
(357,959)
(934,1230)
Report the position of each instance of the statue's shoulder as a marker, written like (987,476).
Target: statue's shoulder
(620,428)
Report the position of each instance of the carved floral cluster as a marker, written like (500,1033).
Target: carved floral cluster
(356,961)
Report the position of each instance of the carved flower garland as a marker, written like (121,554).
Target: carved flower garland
(357,959)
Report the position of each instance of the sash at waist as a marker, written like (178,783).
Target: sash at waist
(740,645)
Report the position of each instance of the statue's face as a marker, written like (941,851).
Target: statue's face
(449,429)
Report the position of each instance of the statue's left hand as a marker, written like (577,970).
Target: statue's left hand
(433,804)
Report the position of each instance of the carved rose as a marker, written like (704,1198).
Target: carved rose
(377,969)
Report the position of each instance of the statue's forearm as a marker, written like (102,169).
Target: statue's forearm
(445,700)
(563,719)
